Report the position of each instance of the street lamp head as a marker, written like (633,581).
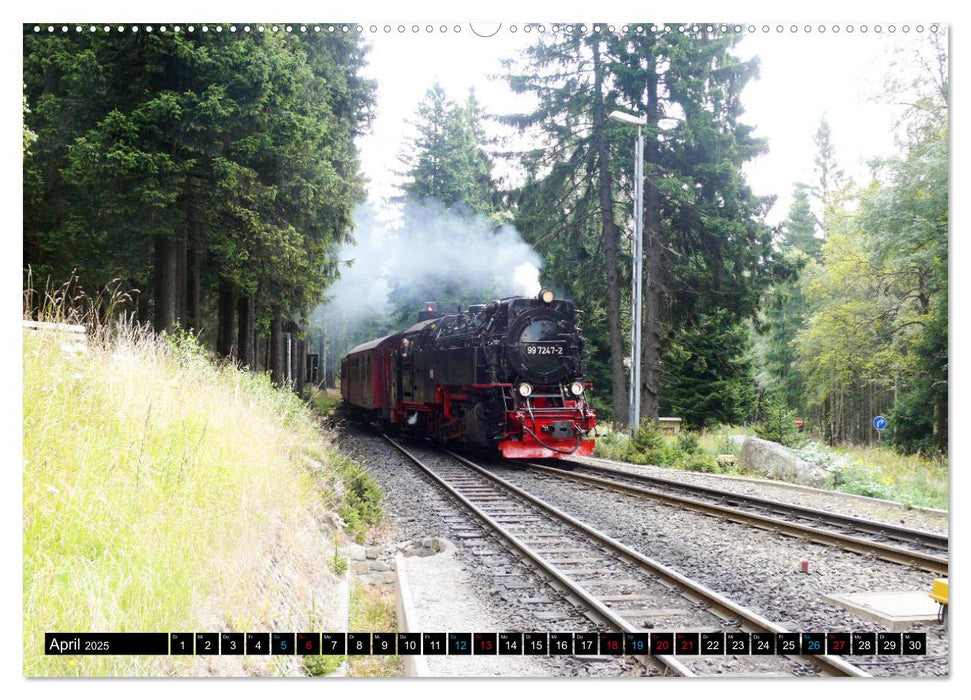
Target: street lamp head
(625,118)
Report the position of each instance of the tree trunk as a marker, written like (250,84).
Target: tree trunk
(651,333)
(181,282)
(276,353)
(246,341)
(611,237)
(322,360)
(299,365)
(193,291)
(226,339)
(166,263)
(143,312)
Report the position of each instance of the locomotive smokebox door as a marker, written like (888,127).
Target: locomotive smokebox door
(562,430)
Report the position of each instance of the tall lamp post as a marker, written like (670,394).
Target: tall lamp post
(635,364)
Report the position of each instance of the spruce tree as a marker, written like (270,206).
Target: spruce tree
(446,159)
(705,245)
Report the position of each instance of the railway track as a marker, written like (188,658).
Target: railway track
(611,583)
(925,550)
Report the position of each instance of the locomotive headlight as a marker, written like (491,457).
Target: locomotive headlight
(525,390)
(576,388)
(546,296)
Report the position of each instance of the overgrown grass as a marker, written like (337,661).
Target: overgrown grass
(324,402)
(878,472)
(881,472)
(356,496)
(373,610)
(163,492)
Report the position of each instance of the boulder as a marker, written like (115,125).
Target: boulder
(779,462)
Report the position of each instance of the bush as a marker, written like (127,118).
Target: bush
(360,502)
(688,442)
(699,462)
(647,446)
(779,424)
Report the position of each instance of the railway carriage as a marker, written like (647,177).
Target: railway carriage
(506,375)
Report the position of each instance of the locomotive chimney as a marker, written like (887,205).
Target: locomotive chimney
(428,311)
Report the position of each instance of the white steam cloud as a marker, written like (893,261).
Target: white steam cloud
(430,245)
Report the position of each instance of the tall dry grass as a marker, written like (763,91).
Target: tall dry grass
(163,492)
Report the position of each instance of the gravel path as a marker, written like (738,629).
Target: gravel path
(836,501)
(445,597)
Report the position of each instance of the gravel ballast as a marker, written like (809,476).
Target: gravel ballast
(836,501)
(487,587)
(757,569)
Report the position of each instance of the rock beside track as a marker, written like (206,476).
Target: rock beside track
(779,462)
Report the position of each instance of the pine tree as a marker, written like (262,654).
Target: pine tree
(446,160)
(799,228)
(568,208)
(705,245)
(195,165)
(830,178)
(710,380)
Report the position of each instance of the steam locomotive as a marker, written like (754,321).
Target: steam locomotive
(506,375)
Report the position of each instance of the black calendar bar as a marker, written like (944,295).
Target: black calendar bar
(106,643)
(488,643)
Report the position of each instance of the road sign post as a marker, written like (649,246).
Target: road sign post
(880,423)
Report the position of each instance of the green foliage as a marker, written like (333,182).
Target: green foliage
(29,136)
(710,373)
(650,447)
(321,664)
(688,442)
(338,563)
(779,424)
(912,421)
(707,247)
(646,445)
(446,160)
(237,147)
(863,330)
(360,502)
(156,486)
(799,229)
(699,462)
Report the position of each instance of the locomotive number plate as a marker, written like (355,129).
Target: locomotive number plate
(538,349)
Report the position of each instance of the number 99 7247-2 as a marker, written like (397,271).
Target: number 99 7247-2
(544,349)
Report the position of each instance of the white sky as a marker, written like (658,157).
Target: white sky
(802,76)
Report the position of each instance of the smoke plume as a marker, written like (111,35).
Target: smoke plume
(429,242)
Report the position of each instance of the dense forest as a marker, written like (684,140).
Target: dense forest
(206,175)
(217,176)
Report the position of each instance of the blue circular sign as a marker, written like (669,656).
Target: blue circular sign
(879,422)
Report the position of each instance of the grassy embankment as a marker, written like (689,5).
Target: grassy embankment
(879,472)
(165,493)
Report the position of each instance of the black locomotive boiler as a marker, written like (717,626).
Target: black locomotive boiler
(507,375)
